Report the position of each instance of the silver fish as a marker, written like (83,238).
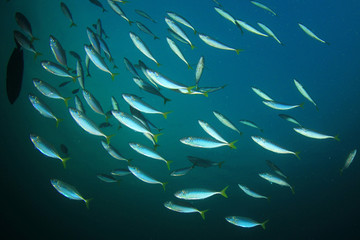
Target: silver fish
(281,106)
(275,168)
(250,28)
(261,94)
(93,103)
(164,81)
(289,119)
(250,124)
(49,91)
(178,31)
(56,69)
(114,6)
(260,5)
(205,142)
(177,51)
(349,160)
(226,121)
(312,134)
(304,93)
(181,171)
(58,51)
(98,61)
(68,191)
(311,34)
(273,147)
(145,177)
(269,32)
(277,180)
(146,30)
(251,193)
(181,20)
(245,222)
(43,108)
(145,15)
(78,104)
(149,88)
(139,44)
(183,207)
(120,172)
(199,193)
(25,43)
(199,71)
(113,152)
(94,40)
(25,25)
(213,43)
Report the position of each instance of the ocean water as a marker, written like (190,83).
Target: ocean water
(325,204)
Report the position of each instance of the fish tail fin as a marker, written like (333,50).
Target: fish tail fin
(66,101)
(130,22)
(104,10)
(155,136)
(220,163)
(192,46)
(341,171)
(64,160)
(195,32)
(166,100)
(108,138)
(238,51)
(202,213)
(206,93)
(190,88)
(156,146)
(263,224)
(87,201)
(88,75)
(168,163)
(327,43)
(292,189)
(155,37)
(301,105)
(58,120)
(73,24)
(33,39)
(37,54)
(163,185)
(158,64)
(115,67)
(268,198)
(74,78)
(337,138)
(297,155)
(232,144)
(189,66)
(223,193)
(317,108)
(113,75)
(165,114)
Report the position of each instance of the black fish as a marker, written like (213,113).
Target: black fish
(105,124)
(199,162)
(14,74)
(64,83)
(97,3)
(64,149)
(75,91)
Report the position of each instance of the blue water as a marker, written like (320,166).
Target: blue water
(325,205)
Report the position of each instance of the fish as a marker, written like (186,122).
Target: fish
(289,119)
(114,6)
(141,65)
(105,124)
(144,176)
(129,66)
(87,65)
(57,69)
(107,178)
(199,193)
(349,160)
(120,172)
(250,28)
(80,74)
(68,191)
(214,43)
(140,116)
(277,180)
(276,169)
(225,15)
(75,55)
(173,26)
(14,74)
(146,30)
(261,94)
(113,152)
(311,34)
(98,61)
(25,25)
(204,163)
(25,43)
(177,51)
(205,142)
(184,207)
(139,44)
(176,36)
(94,40)
(105,48)
(250,124)
(67,13)
(269,32)
(199,71)
(226,121)
(87,124)
(78,104)
(43,108)
(260,5)
(181,20)
(63,84)
(142,106)
(312,134)
(245,222)
(133,123)
(149,88)
(281,106)
(304,93)
(98,4)
(93,103)
(181,171)
(251,193)
(114,104)
(46,148)
(212,132)
(145,15)
(64,149)
(272,147)
(211,89)
(164,81)
(48,90)
(148,152)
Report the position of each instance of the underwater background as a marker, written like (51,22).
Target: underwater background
(325,205)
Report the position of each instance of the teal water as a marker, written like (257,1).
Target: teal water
(325,203)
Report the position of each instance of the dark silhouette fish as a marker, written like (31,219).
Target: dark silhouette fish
(199,162)
(64,83)
(75,91)
(97,3)
(64,149)
(14,74)
(105,124)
